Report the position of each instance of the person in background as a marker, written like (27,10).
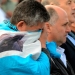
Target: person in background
(23,34)
(57,30)
(69,46)
(67,5)
(2,14)
(8,7)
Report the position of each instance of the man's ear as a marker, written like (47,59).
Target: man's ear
(48,27)
(21,26)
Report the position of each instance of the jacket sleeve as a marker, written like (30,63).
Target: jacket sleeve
(16,65)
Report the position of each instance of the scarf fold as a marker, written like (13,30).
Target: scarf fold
(20,43)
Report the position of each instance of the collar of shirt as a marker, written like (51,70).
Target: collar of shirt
(71,39)
(63,56)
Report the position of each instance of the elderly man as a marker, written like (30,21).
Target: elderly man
(69,46)
(57,30)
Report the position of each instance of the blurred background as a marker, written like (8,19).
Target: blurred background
(6,8)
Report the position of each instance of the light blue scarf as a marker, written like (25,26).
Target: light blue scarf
(51,46)
(6,25)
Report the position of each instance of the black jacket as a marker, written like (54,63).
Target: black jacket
(70,52)
(57,66)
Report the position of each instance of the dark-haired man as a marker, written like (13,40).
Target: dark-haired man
(20,50)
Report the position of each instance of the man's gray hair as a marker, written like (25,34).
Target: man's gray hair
(53,16)
(31,12)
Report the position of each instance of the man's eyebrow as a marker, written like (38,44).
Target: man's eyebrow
(68,1)
(66,23)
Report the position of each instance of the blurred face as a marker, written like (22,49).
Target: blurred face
(60,30)
(69,7)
